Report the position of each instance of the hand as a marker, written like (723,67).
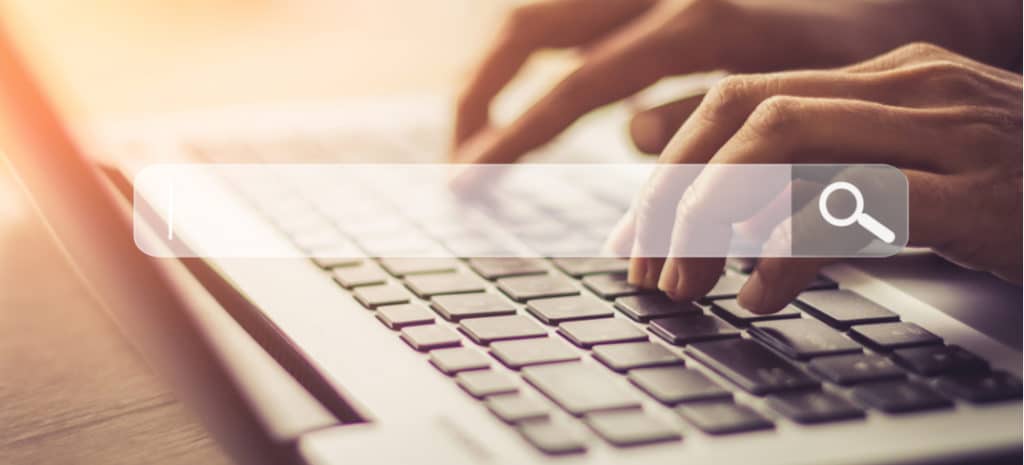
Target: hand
(951,124)
(627,45)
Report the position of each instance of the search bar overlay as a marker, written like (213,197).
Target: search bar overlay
(523,210)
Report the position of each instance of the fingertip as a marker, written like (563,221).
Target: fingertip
(647,131)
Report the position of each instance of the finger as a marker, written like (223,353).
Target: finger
(925,53)
(651,129)
(562,23)
(776,281)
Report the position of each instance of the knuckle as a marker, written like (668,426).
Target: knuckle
(774,115)
(922,50)
(730,98)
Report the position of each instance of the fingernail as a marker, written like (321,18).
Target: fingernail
(637,271)
(669,281)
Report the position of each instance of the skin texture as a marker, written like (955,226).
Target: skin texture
(870,86)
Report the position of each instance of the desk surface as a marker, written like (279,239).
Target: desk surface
(71,389)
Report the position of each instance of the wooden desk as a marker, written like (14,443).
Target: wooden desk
(71,389)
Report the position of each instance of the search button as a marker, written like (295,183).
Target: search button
(858,216)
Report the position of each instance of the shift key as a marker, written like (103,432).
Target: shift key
(751,366)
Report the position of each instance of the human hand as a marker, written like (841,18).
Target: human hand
(951,124)
(627,45)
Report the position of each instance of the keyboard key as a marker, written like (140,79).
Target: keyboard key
(487,330)
(494,268)
(577,307)
(723,417)
(456,359)
(610,286)
(401,267)
(486,383)
(842,308)
(899,396)
(400,316)
(649,306)
(430,337)
(672,385)
(482,304)
(523,288)
(375,296)
(429,285)
(821,282)
(691,328)
(579,267)
(525,352)
(814,407)
(363,275)
(803,338)
(337,258)
(727,287)
(743,265)
(624,357)
(732,312)
(939,359)
(580,388)
(517,408)
(552,438)
(588,333)
(856,368)
(751,366)
(630,428)
(981,387)
(884,337)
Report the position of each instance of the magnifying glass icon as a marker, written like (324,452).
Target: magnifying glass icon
(858,216)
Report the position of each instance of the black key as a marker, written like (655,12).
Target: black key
(430,337)
(630,428)
(624,357)
(579,388)
(456,359)
(751,365)
(732,312)
(723,417)
(576,307)
(494,268)
(803,338)
(458,306)
(376,296)
(856,368)
(648,306)
(821,282)
(899,396)
(691,328)
(610,286)
(486,383)
(842,308)
(487,330)
(672,385)
(884,337)
(363,275)
(400,267)
(938,360)
(429,285)
(727,287)
(517,408)
(814,407)
(981,387)
(525,352)
(579,267)
(523,288)
(588,333)
(400,316)
(552,438)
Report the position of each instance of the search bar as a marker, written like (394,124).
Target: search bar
(522,210)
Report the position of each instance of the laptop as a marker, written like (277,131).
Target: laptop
(320,361)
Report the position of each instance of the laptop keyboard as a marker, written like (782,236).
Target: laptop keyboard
(546,343)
